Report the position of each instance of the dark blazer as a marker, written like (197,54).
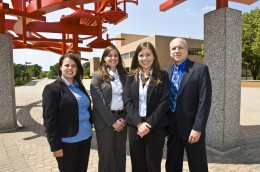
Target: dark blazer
(193,101)
(60,112)
(158,101)
(101,92)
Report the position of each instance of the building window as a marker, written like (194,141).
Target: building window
(132,54)
(194,51)
(125,56)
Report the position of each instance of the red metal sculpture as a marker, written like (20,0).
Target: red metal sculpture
(83,24)
(219,3)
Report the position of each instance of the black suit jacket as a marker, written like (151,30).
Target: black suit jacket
(193,100)
(158,102)
(60,112)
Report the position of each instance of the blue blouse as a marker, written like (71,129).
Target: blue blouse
(85,129)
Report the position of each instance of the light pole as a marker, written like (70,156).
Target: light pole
(27,76)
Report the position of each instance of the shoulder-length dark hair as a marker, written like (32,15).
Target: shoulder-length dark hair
(80,72)
(103,66)
(136,68)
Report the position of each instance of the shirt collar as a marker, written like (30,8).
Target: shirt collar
(112,72)
(181,66)
(150,73)
(67,83)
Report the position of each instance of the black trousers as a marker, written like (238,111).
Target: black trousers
(75,156)
(146,153)
(196,154)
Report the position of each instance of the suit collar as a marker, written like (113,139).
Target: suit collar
(188,71)
(169,70)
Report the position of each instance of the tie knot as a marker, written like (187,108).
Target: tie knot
(177,67)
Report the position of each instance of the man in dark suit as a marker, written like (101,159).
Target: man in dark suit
(191,92)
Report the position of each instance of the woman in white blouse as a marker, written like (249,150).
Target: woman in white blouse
(146,102)
(108,111)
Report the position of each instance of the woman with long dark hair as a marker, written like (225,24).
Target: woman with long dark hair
(146,103)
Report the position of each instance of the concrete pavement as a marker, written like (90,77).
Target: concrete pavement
(27,149)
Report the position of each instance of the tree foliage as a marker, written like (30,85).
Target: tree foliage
(201,53)
(43,74)
(19,71)
(251,41)
(34,70)
(86,67)
(23,72)
(53,73)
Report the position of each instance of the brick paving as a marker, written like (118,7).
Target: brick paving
(27,149)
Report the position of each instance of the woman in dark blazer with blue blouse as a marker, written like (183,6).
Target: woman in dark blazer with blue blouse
(66,114)
(147,102)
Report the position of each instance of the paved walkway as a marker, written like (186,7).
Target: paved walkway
(27,149)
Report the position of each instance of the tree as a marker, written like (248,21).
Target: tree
(86,67)
(34,70)
(43,74)
(201,53)
(19,71)
(251,41)
(53,73)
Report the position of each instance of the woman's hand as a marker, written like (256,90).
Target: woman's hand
(143,129)
(119,125)
(58,153)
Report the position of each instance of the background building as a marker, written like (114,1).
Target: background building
(161,43)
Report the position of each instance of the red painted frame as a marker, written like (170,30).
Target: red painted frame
(81,25)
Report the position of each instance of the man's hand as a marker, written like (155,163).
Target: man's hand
(194,136)
(58,153)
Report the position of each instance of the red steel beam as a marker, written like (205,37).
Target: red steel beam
(221,4)
(2,17)
(169,4)
(48,6)
(64,45)
(247,2)
(45,39)
(75,43)
(56,27)
(36,16)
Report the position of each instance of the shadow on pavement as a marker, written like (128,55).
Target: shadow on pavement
(249,138)
(249,143)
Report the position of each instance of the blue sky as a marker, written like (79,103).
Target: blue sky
(184,20)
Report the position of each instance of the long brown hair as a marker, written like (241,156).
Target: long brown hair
(136,68)
(80,71)
(103,66)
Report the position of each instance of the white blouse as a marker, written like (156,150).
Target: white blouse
(117,90)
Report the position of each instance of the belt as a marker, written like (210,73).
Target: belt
(117,112)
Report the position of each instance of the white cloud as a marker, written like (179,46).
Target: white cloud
(208,9)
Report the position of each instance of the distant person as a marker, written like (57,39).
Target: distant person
(189,110)
(146,102)
(66,114)
(107,89)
